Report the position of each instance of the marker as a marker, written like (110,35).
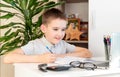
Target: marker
(49,49)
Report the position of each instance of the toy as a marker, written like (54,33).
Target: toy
(72,33)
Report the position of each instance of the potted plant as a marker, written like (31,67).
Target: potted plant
(19,33)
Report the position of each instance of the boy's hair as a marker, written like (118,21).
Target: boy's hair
(51,14)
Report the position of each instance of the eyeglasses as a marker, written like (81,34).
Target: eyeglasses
(83,65)
(42,67)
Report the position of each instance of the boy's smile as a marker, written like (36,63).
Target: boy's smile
(55,30)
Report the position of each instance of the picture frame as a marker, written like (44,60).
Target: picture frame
(75,22)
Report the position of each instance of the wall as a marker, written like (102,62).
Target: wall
(78,8)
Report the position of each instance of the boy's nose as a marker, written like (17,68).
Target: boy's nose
(61,33)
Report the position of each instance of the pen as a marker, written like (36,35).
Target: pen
(49,49)
(107,43)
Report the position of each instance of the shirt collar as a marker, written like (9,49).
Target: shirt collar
(46,42)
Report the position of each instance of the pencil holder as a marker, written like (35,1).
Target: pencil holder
(107,46)
(107,54)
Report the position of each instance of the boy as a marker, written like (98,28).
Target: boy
(51,46)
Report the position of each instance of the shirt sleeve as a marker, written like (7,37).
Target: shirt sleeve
(28,48)
(69,47)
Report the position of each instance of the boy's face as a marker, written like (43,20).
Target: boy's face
(55,30)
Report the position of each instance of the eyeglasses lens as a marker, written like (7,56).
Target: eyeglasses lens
(75,64)
(89,66)
(84,65)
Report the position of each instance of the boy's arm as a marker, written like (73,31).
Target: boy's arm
(18,56)
(82,52)
(79,52)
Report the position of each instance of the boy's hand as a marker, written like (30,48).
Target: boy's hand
(46,58)
(85,54)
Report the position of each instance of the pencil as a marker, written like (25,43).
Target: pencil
(49,49)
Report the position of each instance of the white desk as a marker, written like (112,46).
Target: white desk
(31,70)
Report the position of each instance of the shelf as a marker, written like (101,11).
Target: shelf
(76,1)
(82,23)
(77,41)
(72,19)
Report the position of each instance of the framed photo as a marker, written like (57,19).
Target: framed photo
(75,22)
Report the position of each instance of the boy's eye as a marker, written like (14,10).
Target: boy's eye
(63,29)
(55,29)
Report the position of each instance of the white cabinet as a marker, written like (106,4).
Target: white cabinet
(104,18)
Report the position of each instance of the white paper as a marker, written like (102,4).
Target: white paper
(68,59)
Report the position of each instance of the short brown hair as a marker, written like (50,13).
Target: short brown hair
(51,14)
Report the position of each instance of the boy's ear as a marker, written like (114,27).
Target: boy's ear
(43,28)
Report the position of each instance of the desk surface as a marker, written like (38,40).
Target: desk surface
(31,70)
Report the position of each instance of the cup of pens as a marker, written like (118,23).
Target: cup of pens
(107,46)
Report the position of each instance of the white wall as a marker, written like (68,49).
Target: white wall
(104,19)
(78,8)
